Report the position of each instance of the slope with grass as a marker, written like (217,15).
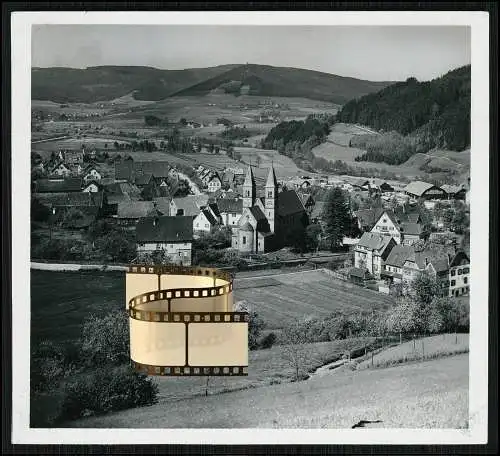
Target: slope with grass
(432,394)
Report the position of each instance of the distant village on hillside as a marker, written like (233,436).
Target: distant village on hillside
(165,212)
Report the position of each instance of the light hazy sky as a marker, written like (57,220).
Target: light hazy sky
(367,52)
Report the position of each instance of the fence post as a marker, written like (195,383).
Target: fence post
(400,338)
(372,358)
(423,352)
(456,338)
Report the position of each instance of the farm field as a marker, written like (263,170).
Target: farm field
(281,298)
(60,301)
(413,396)
(283,165)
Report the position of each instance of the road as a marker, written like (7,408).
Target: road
(50,139)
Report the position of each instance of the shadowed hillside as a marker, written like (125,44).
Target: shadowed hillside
(109,82)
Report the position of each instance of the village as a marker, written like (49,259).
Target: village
(401,228)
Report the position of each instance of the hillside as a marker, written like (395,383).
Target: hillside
(108,82)
(435,113)
(69,85)
(267,80)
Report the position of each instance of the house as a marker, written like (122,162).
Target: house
(91,173)
(267,222)
(214,183)
(424,190)
(435,262)
(371,252)
(60,169)
(71,157)
(58,185)
(188,205)
(117,192)
(92,186)
(129,212)
(173,235)
(366,218)
(230,210)
(359,275)
(63,201)
(380,186)
(404,228)
(163,204)
(128,169)
(205,221)
(459,275)
(454,191)
(393,267)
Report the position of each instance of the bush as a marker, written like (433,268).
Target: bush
(106,390)
(268,341)
(105,340)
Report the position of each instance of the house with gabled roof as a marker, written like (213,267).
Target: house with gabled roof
(454,191)
(58,185)
(424,190)
(267,222)
(205,221)
(189,205)
(393,266)
(60,169)
(214,183)
(405,228)
(459,274)
(371,252)
(230,210)
(172,235)
(130,212)
(91,173)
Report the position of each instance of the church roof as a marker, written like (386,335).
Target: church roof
(246,227)
(257,213)
(271,178)
(249,177)
(289,203)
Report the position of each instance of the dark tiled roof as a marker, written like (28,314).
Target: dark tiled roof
(289,203)
(367,217)
(374,241)
(143,179)
(399,254)
(209,217)
(130,170)
(163,204)
(257,213)
(165,229)
(440,264)
(215,209)
(230,205)
(70,184)
(414,229)
(71,199)
(135,209)
(191,204)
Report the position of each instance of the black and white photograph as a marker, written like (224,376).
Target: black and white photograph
(336,171)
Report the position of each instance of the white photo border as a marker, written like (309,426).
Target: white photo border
(21,23)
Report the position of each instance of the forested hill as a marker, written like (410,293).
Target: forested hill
(435,113)
(108,82)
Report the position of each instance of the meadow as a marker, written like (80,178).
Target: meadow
(409,396)
(60,301)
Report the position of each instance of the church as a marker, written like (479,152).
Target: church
(266,222)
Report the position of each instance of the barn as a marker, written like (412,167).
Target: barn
(424,190)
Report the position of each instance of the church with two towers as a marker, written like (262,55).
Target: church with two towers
(267,221)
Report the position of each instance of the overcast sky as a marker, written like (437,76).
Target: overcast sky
(367,52)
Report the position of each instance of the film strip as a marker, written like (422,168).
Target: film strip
(189,317)
(217,344)
(190,370)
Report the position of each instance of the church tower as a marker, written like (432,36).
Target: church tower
(249,191)
(271,197)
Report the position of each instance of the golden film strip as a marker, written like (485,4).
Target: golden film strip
(190,370)
(160,295)
(181,270)
(189,317)
(213,339)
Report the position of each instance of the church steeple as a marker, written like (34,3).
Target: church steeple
(249,190)
(271,197)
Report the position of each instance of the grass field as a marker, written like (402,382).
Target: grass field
(60,301)
(431,394)
(428,347)
(283,165)
(281,298)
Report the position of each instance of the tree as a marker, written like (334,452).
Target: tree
(105,340)
(313,233)
(255,324)
(425,287)
(337,217)
(293,338)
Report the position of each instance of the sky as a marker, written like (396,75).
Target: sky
(377,53)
